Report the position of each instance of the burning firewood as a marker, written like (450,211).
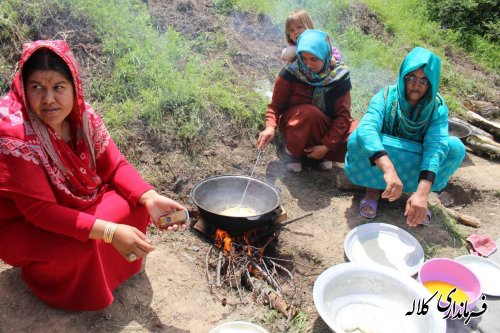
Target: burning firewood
(238,262)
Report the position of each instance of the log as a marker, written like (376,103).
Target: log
(278,303)
(487,125)
(484,146)
(271,298)
(475,130)
(464,218)
(486,109)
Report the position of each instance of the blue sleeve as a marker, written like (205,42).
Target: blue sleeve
(435,145)
(370,126)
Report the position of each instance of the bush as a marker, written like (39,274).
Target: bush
(468,16)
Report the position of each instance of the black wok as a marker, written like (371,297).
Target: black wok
(215,194)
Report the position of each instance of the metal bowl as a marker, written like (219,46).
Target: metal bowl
(214,195)
(459,130)
(238,327)
(373,298)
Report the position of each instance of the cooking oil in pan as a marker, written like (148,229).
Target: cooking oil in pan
(238,211)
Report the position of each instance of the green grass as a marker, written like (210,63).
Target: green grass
(174,85)
(374,62)
(161,79)
(300,322)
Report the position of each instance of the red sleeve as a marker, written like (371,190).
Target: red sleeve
(340,123)
(54,217)
(129,182)
(280,101)
(114,169)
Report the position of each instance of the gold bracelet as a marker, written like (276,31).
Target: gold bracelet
(109,232)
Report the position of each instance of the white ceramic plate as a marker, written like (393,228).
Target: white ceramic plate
(487,271)
(238,327)
(384,244)
(354,297)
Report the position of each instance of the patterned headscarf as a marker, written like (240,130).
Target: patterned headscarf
(411,122)
(318,43)
(31,152)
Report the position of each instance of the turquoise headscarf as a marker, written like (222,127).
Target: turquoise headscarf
(318,43)
(411,122)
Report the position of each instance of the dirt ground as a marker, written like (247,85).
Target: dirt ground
(172,295)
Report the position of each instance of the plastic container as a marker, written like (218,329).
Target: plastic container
(454,273)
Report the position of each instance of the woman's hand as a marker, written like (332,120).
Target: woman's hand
(128,240)
(394,187)
(316,152)
(416,206)
(159,205)
(265,137)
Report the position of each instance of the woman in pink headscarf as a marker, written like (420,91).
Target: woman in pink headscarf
(74,211)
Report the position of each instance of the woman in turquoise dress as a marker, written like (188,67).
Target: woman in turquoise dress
(402,142)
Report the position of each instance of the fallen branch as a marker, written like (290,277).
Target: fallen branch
(475,130)
(487,125)
(483,108)
(219,265)
(463,218)
(269,296)
(484,146)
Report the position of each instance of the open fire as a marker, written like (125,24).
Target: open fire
(242,262)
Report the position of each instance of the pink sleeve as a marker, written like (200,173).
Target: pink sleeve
(54,217)
(336,54)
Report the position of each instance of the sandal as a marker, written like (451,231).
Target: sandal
(427,220)
(325,165)
(368,203)
(294,164)
(294,167)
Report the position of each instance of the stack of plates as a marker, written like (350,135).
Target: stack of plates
(386,245)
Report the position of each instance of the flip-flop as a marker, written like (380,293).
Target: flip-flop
(325,165)
(427,220)
(368,203)
(294,167)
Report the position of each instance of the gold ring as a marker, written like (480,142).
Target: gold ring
(132,257)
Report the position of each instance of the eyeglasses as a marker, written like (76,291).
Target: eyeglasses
(413,79)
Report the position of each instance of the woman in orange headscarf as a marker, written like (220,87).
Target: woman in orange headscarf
(74,211)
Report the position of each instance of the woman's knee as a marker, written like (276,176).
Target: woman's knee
(456,149)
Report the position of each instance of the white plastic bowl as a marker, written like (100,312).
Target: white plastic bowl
(238,327)
(373,298)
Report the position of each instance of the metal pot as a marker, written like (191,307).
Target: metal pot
(215,194)
(459,130)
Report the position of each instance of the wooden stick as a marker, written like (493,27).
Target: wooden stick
(464,218)
(219,266)
(484,146)
(295,219)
